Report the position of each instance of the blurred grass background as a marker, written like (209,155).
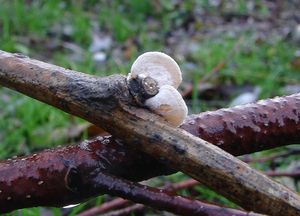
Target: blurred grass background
(255,42)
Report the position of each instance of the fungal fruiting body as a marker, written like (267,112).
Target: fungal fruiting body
(159,66)
(167,102)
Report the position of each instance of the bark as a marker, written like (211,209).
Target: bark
(37,180)
(107,103)
(249,128)
(161,199)
(75,173)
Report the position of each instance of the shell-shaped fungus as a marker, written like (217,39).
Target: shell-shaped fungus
(169,104)
(159,66)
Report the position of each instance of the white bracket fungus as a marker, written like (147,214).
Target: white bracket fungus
(161,76)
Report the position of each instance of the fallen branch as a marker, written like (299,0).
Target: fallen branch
(40,189)
(107,103)
(99,182)
(118,160)
(105,207)
(206,212)
(252,127)
(281,155)
(36,180)
(119,202)
(161,199)
(292,174)
(126,211)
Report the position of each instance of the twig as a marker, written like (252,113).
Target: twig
(119,202)
(161,199)
(126,211)
(107,103)
(293,174)
(182,185)
(105,207)
(272,157)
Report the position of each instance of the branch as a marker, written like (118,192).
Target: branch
(280,155)
(115,158)
(206,211)
(76,183)
(107,103)
(292,174)
(119,202)
(126,211)
(249,128)
(105,207)
(43,175)
(160,199)
(36,180)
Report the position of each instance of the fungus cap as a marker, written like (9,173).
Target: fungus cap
(169,104)
(159,66)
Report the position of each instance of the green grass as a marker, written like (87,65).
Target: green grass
(27,125)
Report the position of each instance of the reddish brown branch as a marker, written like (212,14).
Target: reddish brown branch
(248,128)
(105,207)
(198,208)
(160,199)
(69,181)
(111,156)
(126,211)
(37,180)
(119,202)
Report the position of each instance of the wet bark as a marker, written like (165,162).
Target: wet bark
(250,128)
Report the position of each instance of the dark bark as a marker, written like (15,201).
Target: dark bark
(249,128)
(51,177)
(75,173)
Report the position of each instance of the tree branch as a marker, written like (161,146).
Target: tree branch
(161,199)
(115,158)
(39,179)
(107,103)
(36,180)
(249,128)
